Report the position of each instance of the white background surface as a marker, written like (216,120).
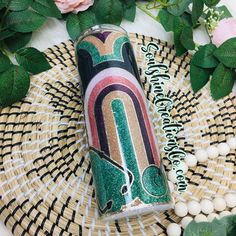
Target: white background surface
(54,32)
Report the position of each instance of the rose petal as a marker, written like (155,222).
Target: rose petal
(66,6)
(83,7)
(225,30)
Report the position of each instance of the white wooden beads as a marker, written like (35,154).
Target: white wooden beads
(219,204)
(201,155)
(232,142)
(233,210)
(203,211)
(200,218)
(224,213)
(207,206)
(223,149)
(184,167)
(230,200)
(181,209)
(191,160)
(185,221)
(212,216)
(172,176)
(173,229)
(194,208)
(212,152)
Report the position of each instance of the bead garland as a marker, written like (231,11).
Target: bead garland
(206,206)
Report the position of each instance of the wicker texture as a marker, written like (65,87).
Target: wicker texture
(46,184)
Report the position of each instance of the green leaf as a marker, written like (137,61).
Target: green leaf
(167,20)
(178,7)
(205,229)
(3,3)
(222,82)
(199,77)
(65,16)
(211,3)
(5,62)
(73,26)
(24,21)
(180,49)
(76,24)
(17,41)
(109,11)
(2,12)
(46,8)
(187,19)
(14,85)
(128,3)
(129,8)
(178,29)
(32,60)
(204,57)
(6,34)
(230,224)
(226,53)
(19,5)
(197,10)
(224,10)
(186,38)
(130,13)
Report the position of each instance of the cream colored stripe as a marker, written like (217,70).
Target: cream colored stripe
(103,48)
(133,123)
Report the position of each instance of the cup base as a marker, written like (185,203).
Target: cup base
(136,211)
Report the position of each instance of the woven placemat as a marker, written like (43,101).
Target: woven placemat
(46,184)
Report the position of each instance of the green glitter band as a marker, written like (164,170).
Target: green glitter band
(95,55)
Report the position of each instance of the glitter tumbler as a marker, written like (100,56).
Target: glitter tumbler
(128,174)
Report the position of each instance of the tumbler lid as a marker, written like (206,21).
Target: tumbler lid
(99,28)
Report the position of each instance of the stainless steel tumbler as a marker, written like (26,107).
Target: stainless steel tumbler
(128,174)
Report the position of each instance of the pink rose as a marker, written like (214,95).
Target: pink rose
(225,30)
(73,5)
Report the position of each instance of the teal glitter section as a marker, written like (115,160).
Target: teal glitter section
(154,181)
(126,144)
(97,58)
(111,179)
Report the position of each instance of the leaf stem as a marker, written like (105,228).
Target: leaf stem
(205,25)
(144,9)
(206,9)
(5,51)
(7,10)
(208,34)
